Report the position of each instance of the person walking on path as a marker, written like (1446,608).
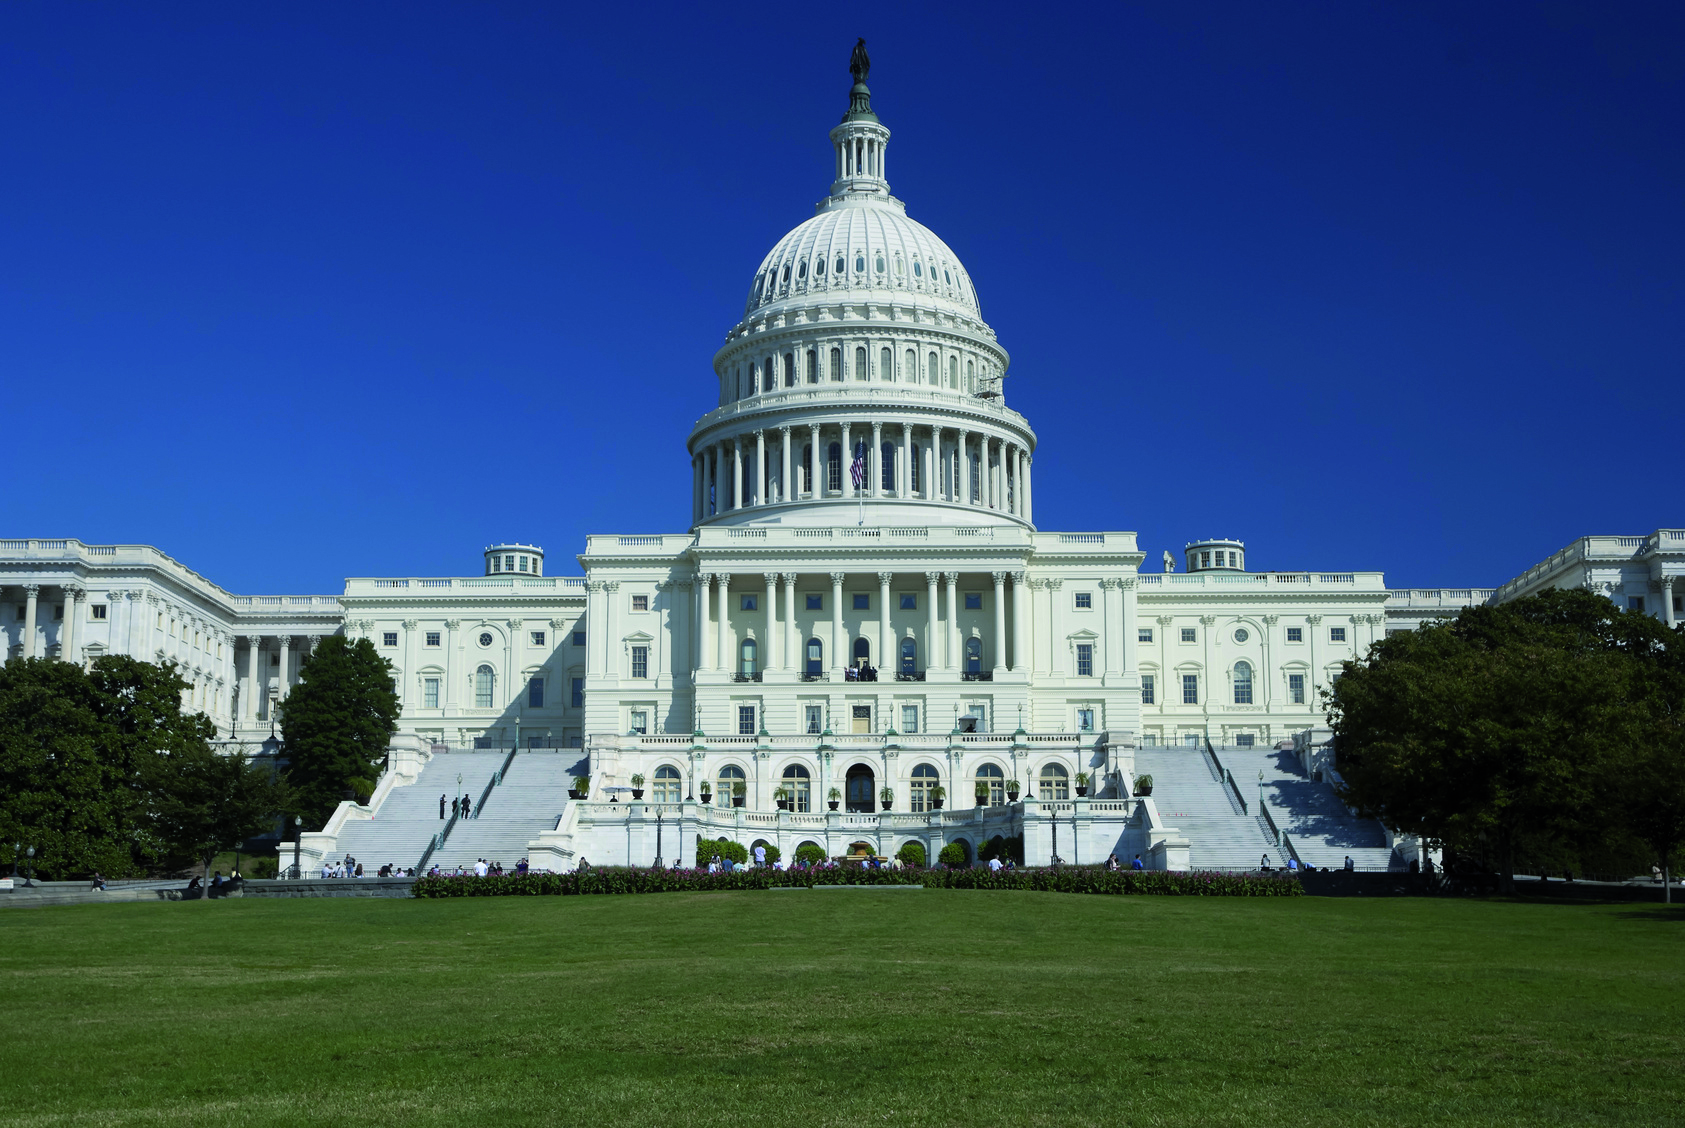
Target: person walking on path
(1351,866)
(1136,864)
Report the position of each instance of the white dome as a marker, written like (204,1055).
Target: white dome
(883,254)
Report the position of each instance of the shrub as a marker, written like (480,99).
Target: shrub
(953,854)
(637,780)
(728,850)
(911,854)
(809,854)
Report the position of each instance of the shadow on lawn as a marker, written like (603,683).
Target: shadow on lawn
(1673,914)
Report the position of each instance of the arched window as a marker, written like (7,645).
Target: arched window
(786,274)
(1055,783)
(485,682)
(860,362)
(861,790)
(886,365)
(1243,683)
(910,370)
(804,479)
(769,376)
(730,777)
(836,356)
(833,468)
(862,651)
(667,784)
(789,370)
(931,369)
(925,777)
(799,784)
(859,264)
(973,655)
(970,372)
(746,662)
(840,264)
(879,263)
(886,456)
(815,658)
(801,271)
(954,371)
(819,268)
(913,483)
(909,656)
(754,379)
(812,366)
(977,477)
(918,269)
(994,779)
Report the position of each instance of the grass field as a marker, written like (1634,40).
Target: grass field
(843,1008)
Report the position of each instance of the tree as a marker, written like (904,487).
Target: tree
(338,721)
(1504,723)
(210,803)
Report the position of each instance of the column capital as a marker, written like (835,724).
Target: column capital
(73,592)
(790,579)
(287,640)
(999,578)
(1208,620)
(453,624)
(516,624)
(32,589)
(254,641)
(1166,620)
(885,578)
(932,577)
(1055,584)
(1019,577)
(1107,584)
(682,585)
(771,578)
(837,578)
(704,578)
(723,579)
(1313,620)
(611,586)
(785,429)
(951,577)
(1270,620)
(594,586)
(411,624)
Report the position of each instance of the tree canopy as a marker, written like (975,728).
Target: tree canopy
(338,720)
(1537,719)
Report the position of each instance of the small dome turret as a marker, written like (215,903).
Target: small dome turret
(521,559)
(1216,555)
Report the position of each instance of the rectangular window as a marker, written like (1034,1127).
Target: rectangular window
(1190,689)
(58,613)
(1296,688)
(1085,720)
(579,638)
(745,720)
(1295,634)
(640,661)
(862,602)
(1243,740)
(429,693)
(1149,740)
(1191,739)
(1085,659)
(538,638)
(1188,635)
(815,717)
(974,601)
(1336,634)
(576,692)
(640,722)
(509,563)
(432,638)
(749,602)
(1149,687)
(640,603)
(574,740)
(816,603)
(1635,603)
(1085,601)
(98,610)
(909,718)
(389,638)
(523,563)
(535,693)
(1144,634)
(909,603)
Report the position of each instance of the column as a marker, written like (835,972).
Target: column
(792,638)
(815,485)
(886,640)
(1029,493)
(1020,624)
(736,474)
(409,685)
(929,467)
(286,666)
(696,489)
(874,462)
(67,635)
(847,460)
(952,584)
(769,660)
(723,650)
(839,644)
(1126,593)
(611,595)
(1269,672)
(248,700)
(594,632)
(763,492)
(932,643)
(1314,678)
(452,666)
(704,616)
(988,474)
(1000,621)
(1667,601)
(965,469)
(31,596)
(904,463)
(786,490)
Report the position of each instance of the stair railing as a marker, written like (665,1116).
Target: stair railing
(1264,809)
(437,843)
(496,778)
(1227,776)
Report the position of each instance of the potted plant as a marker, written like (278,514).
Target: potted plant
(581,787)
(1012,791)
(1143,785)
(937,794)
(637,786)
(781,796)
(833,798)
(707,792)
(886,797)
(1082,784)
(738,791)
(982,792)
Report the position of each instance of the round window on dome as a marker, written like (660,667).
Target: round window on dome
(860,264)
(918,269)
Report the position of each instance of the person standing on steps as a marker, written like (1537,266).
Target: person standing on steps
(441,804)
(466,806)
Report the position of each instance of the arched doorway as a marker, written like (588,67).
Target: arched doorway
(862,790)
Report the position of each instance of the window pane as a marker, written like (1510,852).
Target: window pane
(1147,688)
(535,693)
(1190,689)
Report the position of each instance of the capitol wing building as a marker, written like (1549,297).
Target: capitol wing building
(863,640)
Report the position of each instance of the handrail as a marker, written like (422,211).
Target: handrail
(437,843)
(1234,788)
(496,778)
(1264,809)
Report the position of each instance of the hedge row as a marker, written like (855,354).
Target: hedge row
(1064,879)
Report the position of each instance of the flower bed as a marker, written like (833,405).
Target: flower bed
(1064,879)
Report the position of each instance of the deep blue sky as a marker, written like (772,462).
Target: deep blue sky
(296,293)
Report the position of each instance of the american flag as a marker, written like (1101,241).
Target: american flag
(857,470)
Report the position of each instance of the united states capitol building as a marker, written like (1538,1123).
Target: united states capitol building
(862,640)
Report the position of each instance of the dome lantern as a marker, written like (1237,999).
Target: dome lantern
(859,142)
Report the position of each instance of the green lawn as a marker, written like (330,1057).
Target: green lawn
(844,1008)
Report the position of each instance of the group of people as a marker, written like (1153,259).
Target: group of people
(460,806)
(351,867)
(861,672)
(480,868)
(1112,863)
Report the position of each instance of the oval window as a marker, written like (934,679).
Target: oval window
(840,265)
(818,266)
(485,639)
(880,264)
(801,271)
(786,275)
(1242,635)
(898,270)
(860,264)
(946,277)
(918,270)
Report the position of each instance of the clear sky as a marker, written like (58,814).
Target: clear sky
(298,292)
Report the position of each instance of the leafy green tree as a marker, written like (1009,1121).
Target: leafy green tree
(209,803)
(338,721)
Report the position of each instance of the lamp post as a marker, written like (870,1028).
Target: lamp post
(658,838)
(17,851)
(298,833)
(29,881)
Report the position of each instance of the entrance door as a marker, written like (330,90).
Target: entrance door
(861,792)
(862,718)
